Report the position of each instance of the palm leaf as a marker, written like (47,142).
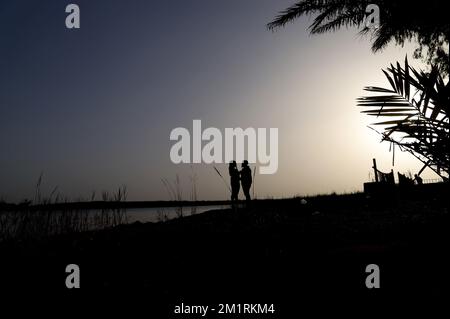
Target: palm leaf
(416,112)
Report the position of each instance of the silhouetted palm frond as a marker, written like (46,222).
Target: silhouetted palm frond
(400,20)
(417,105)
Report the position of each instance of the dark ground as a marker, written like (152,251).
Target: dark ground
(281,252)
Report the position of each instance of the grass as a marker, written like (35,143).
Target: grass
(273,245)
(30,220)
(52,215)
(175,192)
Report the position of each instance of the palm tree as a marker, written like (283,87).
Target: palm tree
(400,20)
(418,107)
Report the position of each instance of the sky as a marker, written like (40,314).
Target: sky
(92,108)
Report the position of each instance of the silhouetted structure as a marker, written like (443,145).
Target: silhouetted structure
(384,189)
(234,181)
(418,179)
(404,180)
(387,178)
(246,180)
(384,183)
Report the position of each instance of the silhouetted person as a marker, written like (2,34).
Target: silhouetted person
(246,180)
(418,179)
(234,181)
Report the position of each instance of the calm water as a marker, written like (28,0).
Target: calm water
(156,214)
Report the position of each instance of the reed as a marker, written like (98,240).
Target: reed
(36,219)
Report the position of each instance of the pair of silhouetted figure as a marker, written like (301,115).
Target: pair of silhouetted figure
(238,178)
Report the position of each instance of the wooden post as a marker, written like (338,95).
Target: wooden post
(375,170)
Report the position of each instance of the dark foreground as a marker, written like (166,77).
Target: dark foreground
(277,252)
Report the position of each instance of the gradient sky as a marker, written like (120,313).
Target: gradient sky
(93,108)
